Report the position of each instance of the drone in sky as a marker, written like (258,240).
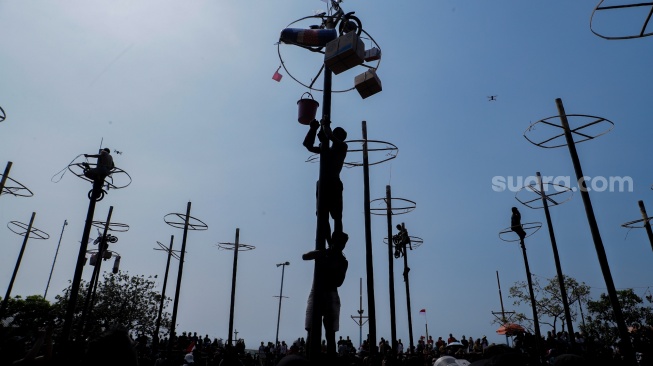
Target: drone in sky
(492,98)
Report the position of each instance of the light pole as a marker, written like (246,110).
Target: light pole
(283,269)
(56,253)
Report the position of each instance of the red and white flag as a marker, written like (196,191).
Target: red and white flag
(190,347)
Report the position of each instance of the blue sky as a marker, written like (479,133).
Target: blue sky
(184,91)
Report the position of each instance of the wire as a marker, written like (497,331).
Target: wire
(62,172)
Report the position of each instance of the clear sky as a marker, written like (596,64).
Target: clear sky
(183,90)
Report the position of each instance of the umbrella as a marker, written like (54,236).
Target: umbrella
(454,344)
(511,329)
(448,360)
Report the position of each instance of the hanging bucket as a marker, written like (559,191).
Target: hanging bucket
(307,108)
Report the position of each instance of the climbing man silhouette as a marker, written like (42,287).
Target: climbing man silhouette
(103,167)
(334,158)
(515,224)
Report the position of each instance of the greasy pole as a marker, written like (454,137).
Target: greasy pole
(371,306)
(5,301)
(175,307)
(391,272)
(647,224)
(625,346)
(163,294)
(410,316)
(233,288)
(315,333)
(95,276)
(536,322)
(556,257)
(3,180)
(79,268)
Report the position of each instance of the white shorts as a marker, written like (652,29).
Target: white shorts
(330,310)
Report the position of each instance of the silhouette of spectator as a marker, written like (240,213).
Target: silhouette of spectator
(111,348)
(43,340)
(334,158)
(103,167)
(515,224)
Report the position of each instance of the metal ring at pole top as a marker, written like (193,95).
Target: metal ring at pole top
(320,51)
(113,226)
(530,228)
(109,181)
(406,207)
(390,150)
(415,241)
(16,191)
(232,246)
(38,234)
(193,223)
(551,142)
(614,9)
(632,224)
(164,248)
(563,193)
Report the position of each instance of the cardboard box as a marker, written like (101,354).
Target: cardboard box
(372,54)
(367,83)
(344,53)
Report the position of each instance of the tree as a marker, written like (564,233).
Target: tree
(121,300)
(548,300)
(600,321)
(30,313)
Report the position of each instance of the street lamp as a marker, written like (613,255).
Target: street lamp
(283,269)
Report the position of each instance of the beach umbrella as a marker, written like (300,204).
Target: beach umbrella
(511,329)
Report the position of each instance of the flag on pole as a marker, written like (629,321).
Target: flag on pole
(190,347)
(277,76)
(423,311)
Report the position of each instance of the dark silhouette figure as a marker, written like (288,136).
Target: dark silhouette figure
(335,269)
(103,167)
(400,241)
(113,347)
(334,158)
(515,224)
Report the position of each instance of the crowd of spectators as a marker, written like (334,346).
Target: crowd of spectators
(191,349)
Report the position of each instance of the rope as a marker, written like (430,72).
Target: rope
(62,172)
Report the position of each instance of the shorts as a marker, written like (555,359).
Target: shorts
(330,310)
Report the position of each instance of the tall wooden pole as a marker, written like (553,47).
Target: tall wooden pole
(369,263)
(556,257)
(175,307)
(391,274)
(625,346)
(79,268)
(647,224)
(233,288)
(3,180)
(163,294)
(5,301)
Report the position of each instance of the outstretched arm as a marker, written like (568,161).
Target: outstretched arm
(309,140)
